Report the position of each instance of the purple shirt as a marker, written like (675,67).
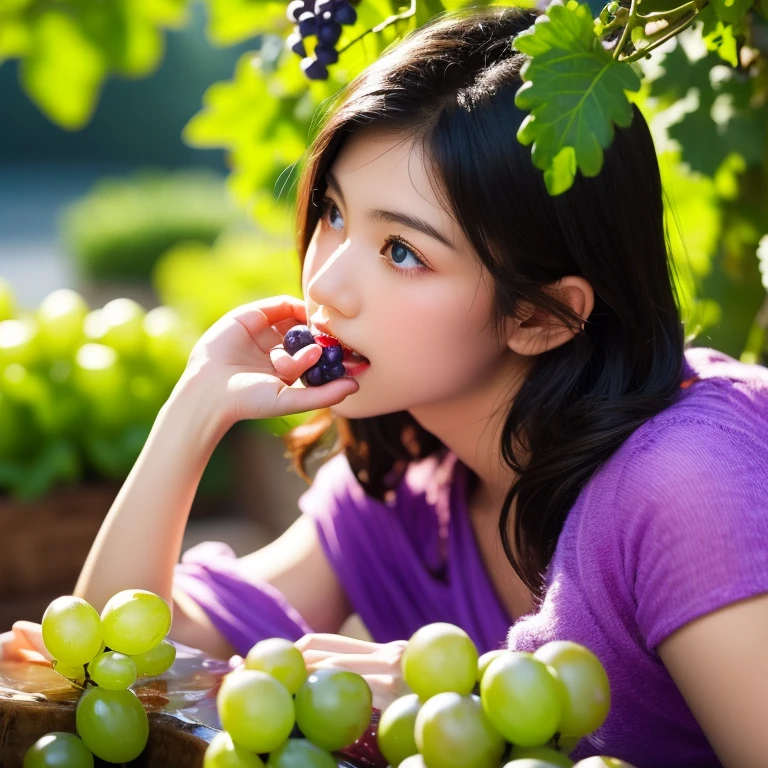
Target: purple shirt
(674,525)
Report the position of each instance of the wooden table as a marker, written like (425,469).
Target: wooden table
(181,705)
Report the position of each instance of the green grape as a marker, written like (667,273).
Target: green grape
(395,731)
(113,724)
(123,321)
(100,377)
(452,731)
(587,691)
(60,317)
(333,708)
(256,710)
(485,661)
(415,761)
(18,342)
(301,753)
(70,671)
(7,300)
(72,630)
(281,659)
(22,386)
(156,660)
(135,621)
(169,340)
(222,752)
(530,762)
(599,761)
(112,670)
(58,750)
(547,754)
(522,698)
(440,657)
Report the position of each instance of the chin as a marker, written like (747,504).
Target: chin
(349,409)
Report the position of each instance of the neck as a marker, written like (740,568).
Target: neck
(471,425)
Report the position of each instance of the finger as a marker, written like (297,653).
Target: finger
(291,367)
(299,399)
(269,312)
(30,636)
(33,657)
(363,664)
(326,641)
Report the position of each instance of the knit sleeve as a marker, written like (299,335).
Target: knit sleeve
(692,517)
(243,610)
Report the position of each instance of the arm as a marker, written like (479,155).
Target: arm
(296,565)
(720,666)
(139,541)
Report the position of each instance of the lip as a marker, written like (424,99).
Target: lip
(320,328)
(355,369)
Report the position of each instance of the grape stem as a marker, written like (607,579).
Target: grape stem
(692,8)
(383,25)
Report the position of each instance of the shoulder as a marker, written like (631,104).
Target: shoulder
(714,431)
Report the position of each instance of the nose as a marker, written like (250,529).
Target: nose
(332,282)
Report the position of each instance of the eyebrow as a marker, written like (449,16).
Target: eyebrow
(378,215)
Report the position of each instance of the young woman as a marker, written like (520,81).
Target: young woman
(531,452)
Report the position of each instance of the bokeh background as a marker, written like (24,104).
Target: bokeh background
(148,156)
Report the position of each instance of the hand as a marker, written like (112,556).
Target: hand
(247,374)
(24,642)
(378,663)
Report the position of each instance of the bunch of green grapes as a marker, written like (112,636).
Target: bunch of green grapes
(63,370)
(531,710)
(273,713)
(104,655)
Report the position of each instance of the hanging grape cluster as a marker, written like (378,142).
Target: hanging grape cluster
(322,20)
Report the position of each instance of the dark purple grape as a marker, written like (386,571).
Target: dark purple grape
(295,43)
(307,24)
(297,338)
(345,14)
(333,355)
(329,32)
(295,9)
(313,377)
(324,5)
(326,55)
(313,69)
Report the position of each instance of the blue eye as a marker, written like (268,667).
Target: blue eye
(401,249)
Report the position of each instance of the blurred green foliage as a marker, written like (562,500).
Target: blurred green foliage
(122,226)
(81,388)
(704,92)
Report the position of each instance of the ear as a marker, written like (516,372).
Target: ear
(540,331)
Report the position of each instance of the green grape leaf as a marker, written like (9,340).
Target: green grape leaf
(725,120)
(235,110)
(132,45)
(680,74)
(172,14)
(731,11)
(235,21)
(720,36)
(15,37)
(574,91)
(63,71)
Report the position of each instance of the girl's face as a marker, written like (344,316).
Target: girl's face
(417,305)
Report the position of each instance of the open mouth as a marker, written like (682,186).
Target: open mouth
(350,355)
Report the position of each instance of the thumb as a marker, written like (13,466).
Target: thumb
(261,396)
(298,398)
